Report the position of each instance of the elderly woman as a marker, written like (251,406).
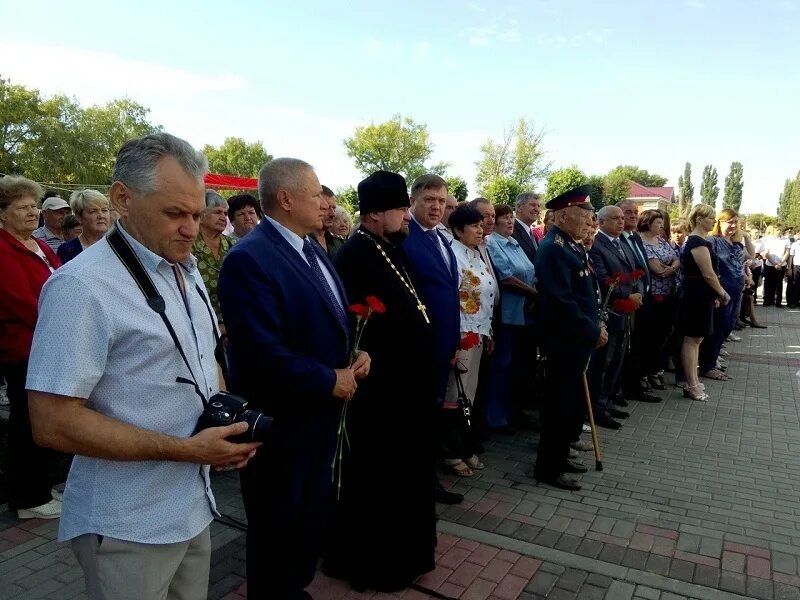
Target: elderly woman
(659,312)
(211,245)
(726,241)
(341,223)
(243,213)
(476,291)
(515,275)
(25,264)
(702,291)
(94,211)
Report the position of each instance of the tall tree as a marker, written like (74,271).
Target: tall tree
(563,180)
(348,198)
(20,108)
(639,175)
(236,157)
(514,163)
(457,186)
(734,183)
(685,190)
(598,195)
(789,204)
(502,190)
(399,145)
(709,190)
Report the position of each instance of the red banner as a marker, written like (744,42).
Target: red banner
(230,182)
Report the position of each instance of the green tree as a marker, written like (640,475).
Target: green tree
(399,145)
(563,180)
(236,157)
(709,190)
(789,203)
(598,196)
(685,190)
(616,186)
(516,161)
(20,108)
(734,183)
(348,198)
(502,190)
(457,186)
(639,175)
(759,221)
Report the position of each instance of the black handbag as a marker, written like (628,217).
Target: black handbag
(463,402)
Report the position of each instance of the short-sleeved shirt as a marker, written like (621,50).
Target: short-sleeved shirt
(662,251)
(48,237)
(118,355)
(510,261)
(774,249)
(476,290)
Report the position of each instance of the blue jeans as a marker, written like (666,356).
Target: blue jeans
(724,320)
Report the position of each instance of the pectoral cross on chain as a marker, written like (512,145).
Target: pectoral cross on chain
(421,308)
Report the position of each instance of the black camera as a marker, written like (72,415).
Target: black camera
(225,409)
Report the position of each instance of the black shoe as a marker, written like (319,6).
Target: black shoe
(619,401)
(656,382)
(619,414)
(607,422)
(479,448)
(642,397)
(573,466)
(560,481)
(445,497)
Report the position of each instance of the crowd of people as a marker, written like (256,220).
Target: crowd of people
(436,324)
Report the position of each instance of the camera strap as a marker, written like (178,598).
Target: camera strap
(155,301)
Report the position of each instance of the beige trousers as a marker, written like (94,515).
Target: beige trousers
(119,570)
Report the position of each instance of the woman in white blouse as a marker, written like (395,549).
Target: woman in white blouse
(477,291)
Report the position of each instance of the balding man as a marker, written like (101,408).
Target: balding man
(289,346)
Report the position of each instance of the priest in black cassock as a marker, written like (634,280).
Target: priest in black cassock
(384,535)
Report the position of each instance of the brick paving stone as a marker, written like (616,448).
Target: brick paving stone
(681,569)
(758,567)
(647,593)
(496,570)
(733,561)
(784,563)
(526,567)
(572,579)
(658,564)
(733,582)
(707,576)
(760,588)
(620,590)
(542,583)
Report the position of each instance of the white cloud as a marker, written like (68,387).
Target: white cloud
(96,76)
(502,30)
(574,40)
(699,4)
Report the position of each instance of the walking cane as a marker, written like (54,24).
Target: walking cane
(598,463)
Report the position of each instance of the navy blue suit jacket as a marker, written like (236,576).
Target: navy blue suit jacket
(437,287)
(607,261)
(284,340)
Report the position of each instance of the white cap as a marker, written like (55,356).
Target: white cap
(54,203)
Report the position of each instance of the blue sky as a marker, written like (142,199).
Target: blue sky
(652,83)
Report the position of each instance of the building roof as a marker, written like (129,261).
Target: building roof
(641,192)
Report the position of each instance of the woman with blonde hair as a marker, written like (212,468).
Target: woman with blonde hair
(702,291)
(726,241)
(94,211)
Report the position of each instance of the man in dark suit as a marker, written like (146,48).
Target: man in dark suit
(289,350)
(610,257)
(526,211)
(433,268)
(634,382)
(569,318)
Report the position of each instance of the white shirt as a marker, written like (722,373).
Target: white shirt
(527,228)
(477,290)
(296,242)
(774,249)
(794,249)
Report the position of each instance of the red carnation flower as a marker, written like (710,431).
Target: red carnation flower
(624,306)
(637,274)
(658,297)
(469,341)
(376,305)
(360,310)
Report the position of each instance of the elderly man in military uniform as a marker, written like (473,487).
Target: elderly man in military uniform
(569,313)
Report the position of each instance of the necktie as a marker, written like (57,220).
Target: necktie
(435,238)
(311,256)
(617,245)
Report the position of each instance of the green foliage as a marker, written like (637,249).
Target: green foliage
(57,140)
(759,221)
(789,204)
(347,197)
(734,183)
(399,145)
(709,191)
(598,196)
(685,191)
(616,186)
(640,176)
(517,161)
(563,180)
(236,157)
(502,190)
(457,187)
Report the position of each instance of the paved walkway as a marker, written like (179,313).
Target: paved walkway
(696,500)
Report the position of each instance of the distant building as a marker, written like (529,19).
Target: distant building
(651,197)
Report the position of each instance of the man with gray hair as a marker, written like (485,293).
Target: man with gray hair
(526,211)
(123,392)
(284,309)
